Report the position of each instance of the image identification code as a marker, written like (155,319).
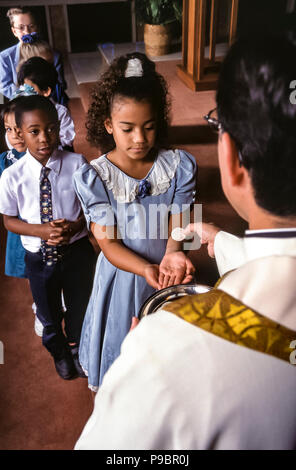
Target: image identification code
(153,459)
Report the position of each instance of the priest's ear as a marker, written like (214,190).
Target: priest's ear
(229,160)
(235,179)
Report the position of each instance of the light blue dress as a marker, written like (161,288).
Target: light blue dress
(140,209)
(15,252)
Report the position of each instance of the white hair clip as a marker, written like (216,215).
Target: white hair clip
(134,68)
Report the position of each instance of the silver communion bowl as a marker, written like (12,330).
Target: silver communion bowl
(164,296)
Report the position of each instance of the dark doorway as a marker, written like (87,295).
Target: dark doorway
(261,17)
(91,24)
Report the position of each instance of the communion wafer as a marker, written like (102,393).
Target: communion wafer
(178,234)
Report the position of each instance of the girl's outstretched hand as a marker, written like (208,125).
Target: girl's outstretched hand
(175,268)
(151,273)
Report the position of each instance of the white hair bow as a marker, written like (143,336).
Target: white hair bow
(134,68)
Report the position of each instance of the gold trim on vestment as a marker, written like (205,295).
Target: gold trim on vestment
(222,315)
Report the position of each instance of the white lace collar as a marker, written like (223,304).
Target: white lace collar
(125,188)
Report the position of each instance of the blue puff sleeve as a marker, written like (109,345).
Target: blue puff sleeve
(185,182)
(93,196)
(7,86)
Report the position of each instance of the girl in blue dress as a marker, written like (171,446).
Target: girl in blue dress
(15,253)
(132,196)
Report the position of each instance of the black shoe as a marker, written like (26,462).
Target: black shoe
(65,367)
(74,351)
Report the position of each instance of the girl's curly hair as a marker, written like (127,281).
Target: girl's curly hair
(151,87)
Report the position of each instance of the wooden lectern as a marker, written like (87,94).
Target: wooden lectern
(197,71)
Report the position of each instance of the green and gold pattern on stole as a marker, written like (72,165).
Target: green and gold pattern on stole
(222,315)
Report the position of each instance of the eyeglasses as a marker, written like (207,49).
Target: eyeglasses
(213,122)
(22,27)
(216,126)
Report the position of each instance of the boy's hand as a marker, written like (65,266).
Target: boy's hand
(69,228)
(207,233)
(175,268)
(51,232)
(60,232)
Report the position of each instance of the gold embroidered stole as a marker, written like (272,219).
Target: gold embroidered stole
(222,315)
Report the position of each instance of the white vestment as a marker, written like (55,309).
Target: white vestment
(176,386)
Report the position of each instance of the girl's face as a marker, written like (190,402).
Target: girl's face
(23,24)
(40,133)
(133,125)
(13,133)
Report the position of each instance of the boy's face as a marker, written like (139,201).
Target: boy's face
(13,133)
(40,133)
(23,24)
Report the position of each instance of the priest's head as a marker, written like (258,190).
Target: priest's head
(256,118)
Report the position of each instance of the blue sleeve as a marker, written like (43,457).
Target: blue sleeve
(2,162)
(7,87)
(185,183)
(93,196)
(59,94)
(58,63)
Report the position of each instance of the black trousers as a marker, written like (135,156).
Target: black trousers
(73,274)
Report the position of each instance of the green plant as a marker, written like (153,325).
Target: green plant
(158,11)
